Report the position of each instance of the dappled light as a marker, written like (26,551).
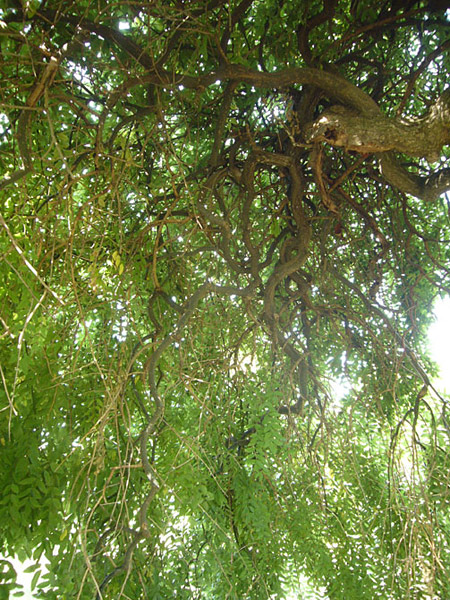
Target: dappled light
(224,226)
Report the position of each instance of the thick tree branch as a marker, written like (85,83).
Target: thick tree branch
(423,137)
(426,188)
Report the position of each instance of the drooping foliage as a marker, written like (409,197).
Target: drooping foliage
(215,295)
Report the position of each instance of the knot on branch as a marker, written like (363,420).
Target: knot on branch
(345,127)
(422,137)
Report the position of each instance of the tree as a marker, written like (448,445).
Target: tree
(224,225)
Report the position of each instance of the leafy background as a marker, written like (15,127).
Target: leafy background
(170,425)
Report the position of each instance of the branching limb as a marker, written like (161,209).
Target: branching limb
(426,188)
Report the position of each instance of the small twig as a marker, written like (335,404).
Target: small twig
(21,253)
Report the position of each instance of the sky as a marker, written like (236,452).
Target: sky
(439,337)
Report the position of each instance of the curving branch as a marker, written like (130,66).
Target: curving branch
(158,415)
(423,137)
(357,125)
(425,188)
(25,118)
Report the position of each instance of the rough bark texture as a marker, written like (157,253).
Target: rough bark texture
(356,124)
(363,132)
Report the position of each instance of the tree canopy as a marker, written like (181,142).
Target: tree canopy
(223,228)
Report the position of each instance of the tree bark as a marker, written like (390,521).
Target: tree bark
(423,137)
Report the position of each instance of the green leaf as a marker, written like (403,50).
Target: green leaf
(35,580)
